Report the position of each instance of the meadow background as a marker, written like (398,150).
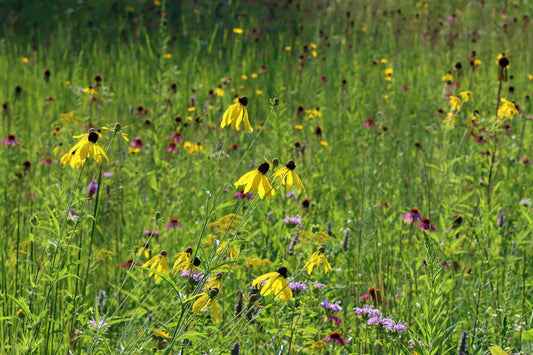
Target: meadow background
(357,93)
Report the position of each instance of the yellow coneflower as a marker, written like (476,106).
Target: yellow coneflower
(466,95)
(219,91)
(214,282)
(450,118)
(144,250)
(276,283)
(455,103)
(203,300)
(316,259)
(507,109)
(87,147)
(157,263)
(473,118)
(183,261)
(233,254)
(117,127)
(236,114)
(288,177)
(257,180)
(68,117)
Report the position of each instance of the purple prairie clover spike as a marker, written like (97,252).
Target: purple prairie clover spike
(92,188)
(463,344)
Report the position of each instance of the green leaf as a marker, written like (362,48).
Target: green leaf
(496,350)
(528,336)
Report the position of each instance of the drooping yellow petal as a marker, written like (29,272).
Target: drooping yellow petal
(201,302)
(214,310)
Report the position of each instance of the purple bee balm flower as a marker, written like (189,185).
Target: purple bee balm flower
(335,337)
(317,284)
(10,141)
(298,286)
(400,327)
(98,325)
(293,221)
(333,306)
(195,275)
(107,174)
(148,232)
(525,202)
(291,194)
(92,188)
(412,216)
(386,323)
(72,214)
(367,311)
(174,223)
(426,225)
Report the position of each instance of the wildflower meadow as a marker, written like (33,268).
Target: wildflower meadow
(266,177)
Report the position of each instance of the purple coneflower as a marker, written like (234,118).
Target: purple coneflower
(176,137)
(172,147)
(137,143)
(370,123)
(405,88)
(128,263)
(426,225)
(149,232)
(323,78)
(412,216)
(242,195)
(107,174)
(47,161)
(10,141)
(173,224)
(335,337)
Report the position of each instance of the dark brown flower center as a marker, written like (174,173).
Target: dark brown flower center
(290,165)
(263,168)
(335,335)
(283,271)
(243,100)
(93,137)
